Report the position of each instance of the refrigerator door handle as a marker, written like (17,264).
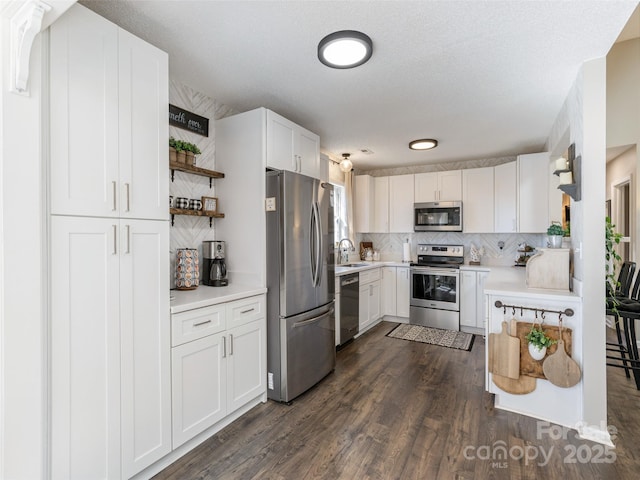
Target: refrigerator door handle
(319,248)
(312,244)
(314,319)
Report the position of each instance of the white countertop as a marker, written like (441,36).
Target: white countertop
(204,296)
(340,270)
(512,280)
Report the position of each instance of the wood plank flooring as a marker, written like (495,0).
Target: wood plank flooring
(395,409)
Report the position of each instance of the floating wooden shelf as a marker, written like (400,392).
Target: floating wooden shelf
(194,213)
(203,172)
(572,189)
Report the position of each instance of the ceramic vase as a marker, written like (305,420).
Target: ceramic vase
(536,352)
(555,241)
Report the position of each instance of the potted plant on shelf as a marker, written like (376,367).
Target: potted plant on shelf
(538,342)
(555,232)
(191,150)
(172,150)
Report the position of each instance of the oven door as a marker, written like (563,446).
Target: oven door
(437,216)
(433,287)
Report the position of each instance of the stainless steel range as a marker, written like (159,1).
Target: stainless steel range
(435,281)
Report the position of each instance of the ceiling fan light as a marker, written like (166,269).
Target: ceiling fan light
(345,49)
(423,144)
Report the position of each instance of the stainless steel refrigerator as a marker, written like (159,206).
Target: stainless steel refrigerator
(300,282)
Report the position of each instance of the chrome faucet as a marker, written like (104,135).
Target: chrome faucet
(344,255)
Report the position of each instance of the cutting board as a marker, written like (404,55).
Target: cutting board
(520,386)
(504,353)
(529,366)
(560,369)
(363,246)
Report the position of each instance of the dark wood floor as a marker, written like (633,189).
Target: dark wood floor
(395,409)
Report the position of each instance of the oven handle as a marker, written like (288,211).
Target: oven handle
(453,272)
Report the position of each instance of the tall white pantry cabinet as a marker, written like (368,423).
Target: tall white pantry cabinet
(109,249)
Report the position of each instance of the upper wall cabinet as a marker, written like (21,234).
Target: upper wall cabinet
(505,198)
(533,192)
(109,121)
(438,186)
(477,200)
(401,197)
(381,205)
(291,147)
(364,186)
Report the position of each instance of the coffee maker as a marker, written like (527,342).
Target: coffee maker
(215,268)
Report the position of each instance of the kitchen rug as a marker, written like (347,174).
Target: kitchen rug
(433,336)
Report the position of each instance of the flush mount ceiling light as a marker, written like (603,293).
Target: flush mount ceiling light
(424,144)
(345,49)
(346,165)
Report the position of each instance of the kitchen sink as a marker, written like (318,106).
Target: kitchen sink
(351,265)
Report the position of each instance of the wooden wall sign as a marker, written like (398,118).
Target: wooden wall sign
(188,120)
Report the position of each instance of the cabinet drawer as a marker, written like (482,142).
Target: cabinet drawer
(198,323)
(369,276)
(246,310)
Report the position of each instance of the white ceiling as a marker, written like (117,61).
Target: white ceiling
(485,78)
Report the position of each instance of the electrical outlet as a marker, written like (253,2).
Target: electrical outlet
(270,204)
(270,380)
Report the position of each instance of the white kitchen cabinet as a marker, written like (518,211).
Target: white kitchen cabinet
(108,184)
(215,374)
(472,299)
(110,346)
(505,196)
(401,200)
(533,193)
(291,147)
(438,186)
(380,205)
(402,291)
(364,203)
(109,128)
(388,290)
(478,200)
(369,299)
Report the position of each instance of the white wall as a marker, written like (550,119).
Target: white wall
(623,93)
(584,115)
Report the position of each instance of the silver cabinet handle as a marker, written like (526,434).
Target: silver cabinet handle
(115,239)
(230,344)
(202,323)
(247,311)
(224,347)
(114,187)
(370,290)
(127,188)
(128,239)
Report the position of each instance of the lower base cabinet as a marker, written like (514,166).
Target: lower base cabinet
(369,299)
(218,363)
(472,299)
(395,291)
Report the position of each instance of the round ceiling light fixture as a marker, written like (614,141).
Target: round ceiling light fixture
(423,144)
(346,165)
(345,49)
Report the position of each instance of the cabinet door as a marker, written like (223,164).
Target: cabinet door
(145,343)
(481,278)
(401,203)
(506,183)
(426,187)
(307,148)
(363,203)
(198,390)
(246,364)
(84,115)
(533,201)
(374,301)
(402,292)
(388,291)
(363,306)
(85,349)
(450,185)
(468,298)
(477,200)
(280,143)
(380,204)
(144,129)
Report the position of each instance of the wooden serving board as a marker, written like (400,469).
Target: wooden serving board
(504,353)
(529,366)
(520,386)
(363,246)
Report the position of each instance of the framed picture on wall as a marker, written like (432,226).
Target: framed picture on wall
(210,204)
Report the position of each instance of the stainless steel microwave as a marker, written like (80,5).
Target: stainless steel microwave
(437,217)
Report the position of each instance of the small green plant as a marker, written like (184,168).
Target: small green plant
(539,338)
(555,229)
(190,147)
(612,239)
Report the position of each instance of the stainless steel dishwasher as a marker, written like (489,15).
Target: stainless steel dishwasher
(349,306)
